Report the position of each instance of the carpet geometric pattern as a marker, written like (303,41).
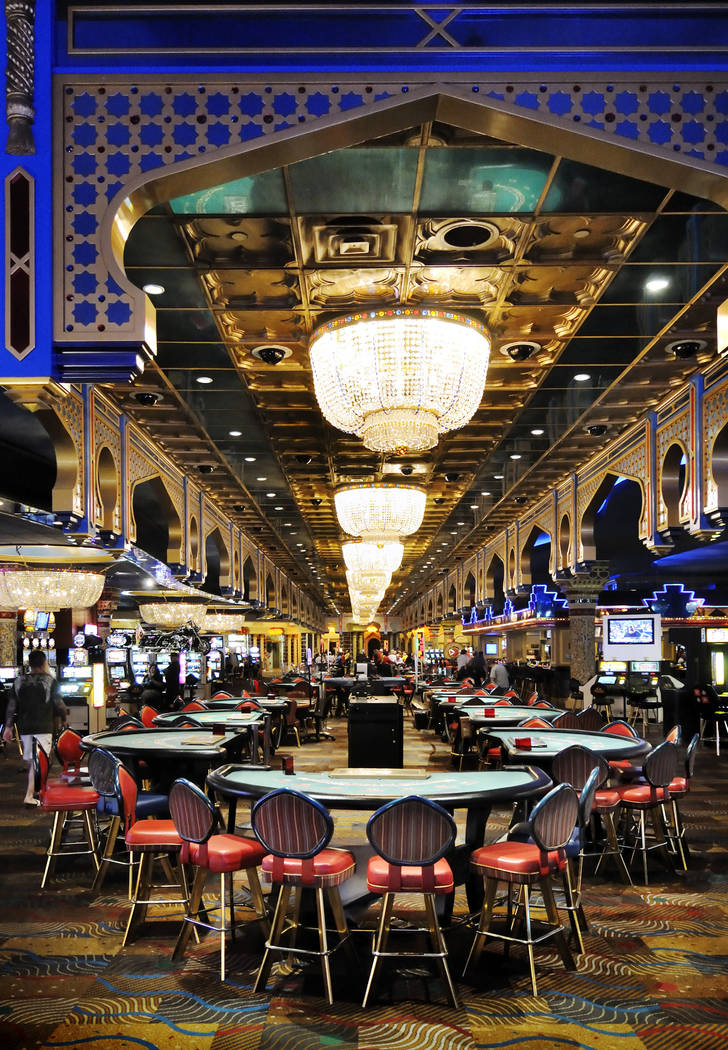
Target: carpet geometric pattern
(654,974)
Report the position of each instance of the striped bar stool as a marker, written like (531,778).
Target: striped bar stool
(526,865)
(411,836)
(197,822)
(296,831)
(678,788)
(63,800)
(650,797)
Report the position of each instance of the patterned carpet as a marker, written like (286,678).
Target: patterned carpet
(654,974)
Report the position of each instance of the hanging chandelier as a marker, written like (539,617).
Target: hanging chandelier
(368,582)
(373,557)
(379,513)
(49,589)
(399,378)
(172,614)
(222,623)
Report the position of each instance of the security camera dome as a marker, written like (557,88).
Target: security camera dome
(407,470)
(271,355)
(147,397)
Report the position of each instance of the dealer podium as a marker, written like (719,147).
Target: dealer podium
(376,734)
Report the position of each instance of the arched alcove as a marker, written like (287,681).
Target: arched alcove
(158,526)
(430,613)
(250,581)
(285,603)
(270,592)
(439,607)
(107,482)
(564,541)
(469,590)
(194,543)
(494,577)
(236,581)
(29,447)
(452,599)
(719,466)
(217,560)
(535,557)
(615,527)
(674,481)
(512,569)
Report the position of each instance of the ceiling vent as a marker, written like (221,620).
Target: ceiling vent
(355,238)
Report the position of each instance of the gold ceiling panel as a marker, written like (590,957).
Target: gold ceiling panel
(525,322)
(342,289)
(238,289)
(560,238)
(238,241)
(558,284)
(468,240)
(262,326)
(462,286)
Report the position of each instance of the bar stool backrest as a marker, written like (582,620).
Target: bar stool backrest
(102,771)
(68,749)
(554,818)
(193,813)
(40,767)
(290,824)
(411,831)
(534,723)
(567,720)
(574,766)
(590,718)
(248,705)
(586,796)
(126,792)
(195,705)
(661,765)
(147,715)
(621,728)
(128,722)
(675,735)
(691,756)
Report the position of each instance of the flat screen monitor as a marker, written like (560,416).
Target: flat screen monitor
(613,666)
(116,656)
(41,621)
(491,648)
(8,674)
(632,638)
(645,666)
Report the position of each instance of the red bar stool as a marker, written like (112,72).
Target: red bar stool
(70,754)
(678,788)
(411,836)
(525,865)
(62,800)
(147,715)
(591,719)
(151,839)
(637,800)
(296,831)
(194,705)
(197,821)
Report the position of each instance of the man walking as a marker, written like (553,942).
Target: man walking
(34,702)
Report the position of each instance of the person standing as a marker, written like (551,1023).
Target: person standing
(34,703)
(499,676)
(477,669)
(172,684)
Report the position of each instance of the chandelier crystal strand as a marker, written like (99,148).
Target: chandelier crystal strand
(49,589)
(399,378)
(222,623)
(373,557)
(380,512)
(172,614)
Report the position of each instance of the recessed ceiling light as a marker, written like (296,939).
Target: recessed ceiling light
(278,508)
(250,459)
(537,432)
(235,433)
(515,455)
(473,506)
(498,477)
(459,522)
(287,524)
(153,289)
(204,380)
(261,479)
(148,583)
(656,284)
(582,377)
(271,495)
(485,493)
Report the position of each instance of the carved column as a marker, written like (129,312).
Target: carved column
(582,591)
(19,75)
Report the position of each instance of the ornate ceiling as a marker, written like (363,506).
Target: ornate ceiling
(598,272)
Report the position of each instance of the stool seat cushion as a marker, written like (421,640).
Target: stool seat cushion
(63,796)
(150,835)
(678,787)
(606,799)
(642,795)
(223,853)
(514,862)
(383,877)
(148,804)
(330,867)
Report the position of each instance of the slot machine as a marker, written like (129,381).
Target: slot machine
(611,681)
(215,663)
(140,660)
(75,690)
(117,669)
(643,678)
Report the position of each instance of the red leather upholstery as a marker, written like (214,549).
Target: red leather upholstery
(620,763)
(383,877)
(678,787)
(642,795)
(59,796)
(606,799)
(223,853)
(330,867)
(148,835)
(516,861)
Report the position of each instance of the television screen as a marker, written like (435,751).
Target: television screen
(630,630)
(491,648)
(41,621)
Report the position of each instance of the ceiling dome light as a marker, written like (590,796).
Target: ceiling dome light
(153,289)
(582,377)
(657,284)
(537,432)
(399,378)
(380,512)
(373,557)
(49,590)
(205,380)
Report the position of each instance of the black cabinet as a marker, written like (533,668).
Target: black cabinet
(375,734)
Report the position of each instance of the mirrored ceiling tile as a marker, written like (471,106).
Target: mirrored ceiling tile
(699,237)
(483,181)
(154,242)
(355,181)
(181,286)
(187,326)
(582,188)
(262,194)
(239,241)
(604,237)
(240,288)
(658,283)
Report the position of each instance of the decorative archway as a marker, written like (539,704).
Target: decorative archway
(270,592)
(564,542)
(107,487)
(452,599)
(719,469)
(250,581)
(469,590)
(217,563)
(674,483)
(534,552)
(494,580)
(156,525)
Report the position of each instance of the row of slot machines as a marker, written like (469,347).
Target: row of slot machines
(633,678)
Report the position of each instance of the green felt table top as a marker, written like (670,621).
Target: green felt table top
(212,718)
(162,741)
(370,791)
(277,703)
(501,715)
(551,741)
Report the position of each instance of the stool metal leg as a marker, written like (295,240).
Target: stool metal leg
(273,943)
(323,945)
(380,942)
(438,946)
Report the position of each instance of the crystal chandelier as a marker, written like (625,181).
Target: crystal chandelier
(222,623)
(368,582)
(172,614)
(49,589)
(373,557)
(380,513)
(399,378)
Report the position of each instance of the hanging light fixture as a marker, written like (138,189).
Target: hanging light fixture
(49,589)
(379,513)
(172,614)
(368,582)
(373,557)
(222,623)
(399,378)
